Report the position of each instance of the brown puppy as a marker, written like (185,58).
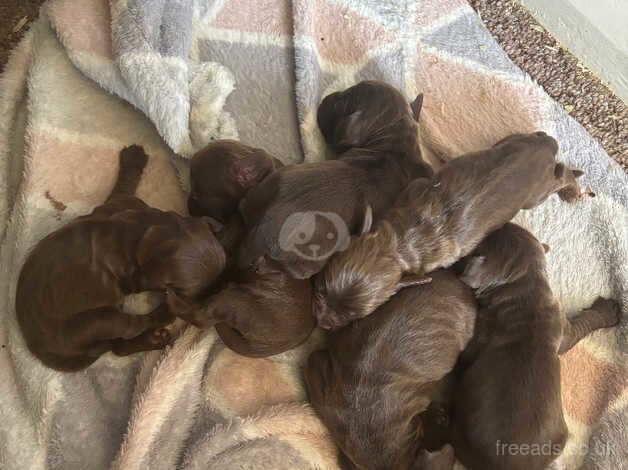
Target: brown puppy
(301,214)
(373,387)
(509,392)
(73,282)
(222,173)
(257,312)
(437,221)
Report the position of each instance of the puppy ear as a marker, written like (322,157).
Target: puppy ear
(559,170)
(367,222)
(252,169)
(416,106)
(471,275)
(546,247)
(348,132)
(577,173)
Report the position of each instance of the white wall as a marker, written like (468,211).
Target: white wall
(595,31)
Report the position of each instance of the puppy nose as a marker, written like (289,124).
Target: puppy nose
(540,134)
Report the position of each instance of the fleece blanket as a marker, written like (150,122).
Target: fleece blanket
(93,76)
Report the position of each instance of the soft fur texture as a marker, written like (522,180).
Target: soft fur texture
(374,384)
(222,173)
(512,360)
(149,410)
(71,285)
(436,221)
(376,128)
(257,312)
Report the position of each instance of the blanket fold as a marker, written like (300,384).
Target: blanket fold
(93,76)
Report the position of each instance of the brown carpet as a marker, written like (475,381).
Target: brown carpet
(603,114)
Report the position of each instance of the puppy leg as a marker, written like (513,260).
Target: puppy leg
(147,341)
(132,162)
(604,313)
(93,329)
(199,315)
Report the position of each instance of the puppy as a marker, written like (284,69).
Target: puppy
(381,387)
(509,388)
(257,312)
(72,283)
(301,214)
(220,175)
(436,221)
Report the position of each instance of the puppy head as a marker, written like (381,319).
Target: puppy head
(503,257)
(365,113)
(222,173)
(186,261)
(562,179)
(355,282)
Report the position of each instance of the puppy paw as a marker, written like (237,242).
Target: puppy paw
(133,156)
(160,338)
(609,308)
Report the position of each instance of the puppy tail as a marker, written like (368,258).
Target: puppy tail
(133,160)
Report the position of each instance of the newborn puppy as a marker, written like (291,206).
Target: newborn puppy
(434,222)
(73,282)
(257,312)
(301,214)
(220,175)
(381,387)
(509,389)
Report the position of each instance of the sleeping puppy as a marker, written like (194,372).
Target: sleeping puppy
(301,214)
(257,312)
(222,173)
(73,282)
(436,221)
(381,388)
(509,388)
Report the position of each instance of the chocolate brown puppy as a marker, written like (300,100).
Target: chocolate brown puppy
(73,282)
(436,221)
(509,389)
(301,214)
(257,311)
(382,385)
(222,173)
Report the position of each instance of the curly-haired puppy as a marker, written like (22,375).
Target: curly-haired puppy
(301,214)
(436,221)
(73,282)
(381,387)
(509,390)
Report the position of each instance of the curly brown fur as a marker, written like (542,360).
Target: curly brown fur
(512,361)
(376,386)
(436,221)
(381,155)
(73,282)
(220,175)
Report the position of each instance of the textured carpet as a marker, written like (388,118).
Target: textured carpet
(532,48)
